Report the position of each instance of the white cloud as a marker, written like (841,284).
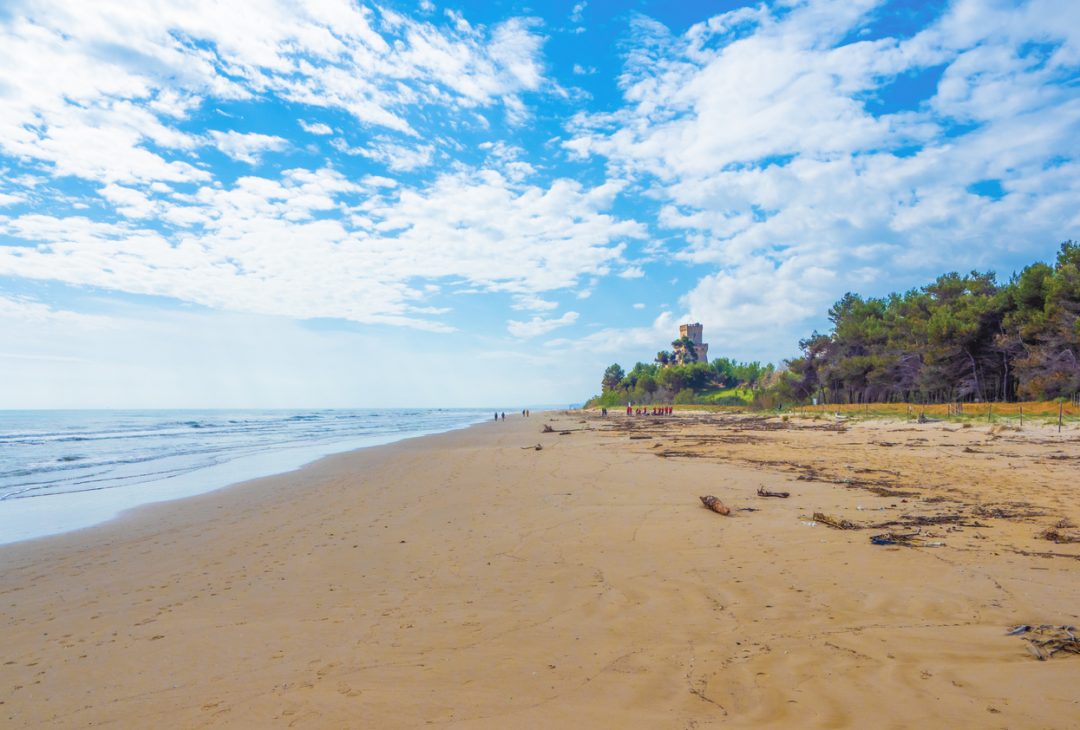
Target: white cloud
(316,127)
(397,157)
(539,326)
(246,147)
(28,311)
(632,272)
(268,245)
(638,305)
(109,82)
(533,303)
(758,133)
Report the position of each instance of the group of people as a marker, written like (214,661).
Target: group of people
(645,411)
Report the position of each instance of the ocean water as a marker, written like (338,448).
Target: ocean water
(64,470)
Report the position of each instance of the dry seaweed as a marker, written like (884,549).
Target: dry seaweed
(1056,535)
(1046,640)
(835,522)
(763,492)
(908,539)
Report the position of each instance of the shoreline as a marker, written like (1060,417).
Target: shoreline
(468,580)
(57,514)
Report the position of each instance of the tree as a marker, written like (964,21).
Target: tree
(612,376)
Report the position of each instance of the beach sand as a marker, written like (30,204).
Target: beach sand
(467,580)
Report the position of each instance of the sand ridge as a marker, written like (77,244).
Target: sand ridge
(467,580)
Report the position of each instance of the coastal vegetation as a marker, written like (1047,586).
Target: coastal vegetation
(961,338)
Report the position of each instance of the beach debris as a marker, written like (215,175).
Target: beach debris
(566,433)
(908,539)
(538,447)
(639,436)
(715,505)
(835,522)
(1054,534)
(763,492)
(1045,640)
(547,429)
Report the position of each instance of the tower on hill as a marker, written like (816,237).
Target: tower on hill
(693,331)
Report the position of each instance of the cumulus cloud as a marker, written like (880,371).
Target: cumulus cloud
(132,72)
(783,153)
(539,326)
(246,147)
(312,243)
(316,128)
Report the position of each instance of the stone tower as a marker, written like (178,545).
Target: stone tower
(693,331)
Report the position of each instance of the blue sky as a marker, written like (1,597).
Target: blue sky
(329,203)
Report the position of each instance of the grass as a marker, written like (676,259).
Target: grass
(713,397)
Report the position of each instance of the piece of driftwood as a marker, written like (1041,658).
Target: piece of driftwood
(538,447)
(1046,640)
(763,492)
(715,505)
(547,429)
(639,436)
(835,522)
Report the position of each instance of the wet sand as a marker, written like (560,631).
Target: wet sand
(468,580)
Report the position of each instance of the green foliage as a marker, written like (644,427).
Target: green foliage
(958,338)
(612,376)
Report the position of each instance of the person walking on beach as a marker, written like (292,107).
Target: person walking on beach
(496,415)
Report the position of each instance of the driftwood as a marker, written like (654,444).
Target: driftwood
(763,492)
(835,522)
(538,447)
(715,505)
(1046,640)
(638,437)
(547,429)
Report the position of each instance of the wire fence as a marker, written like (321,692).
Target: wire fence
(1041,411)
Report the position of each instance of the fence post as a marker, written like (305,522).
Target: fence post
(1021,415)
(1061,406)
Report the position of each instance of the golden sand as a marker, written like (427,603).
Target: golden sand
(468,580)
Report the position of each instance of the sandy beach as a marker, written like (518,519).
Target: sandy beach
(470,580)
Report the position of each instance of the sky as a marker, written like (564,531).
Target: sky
(328,203)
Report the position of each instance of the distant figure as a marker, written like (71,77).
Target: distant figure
(496,415)
(628,409)
(504,415)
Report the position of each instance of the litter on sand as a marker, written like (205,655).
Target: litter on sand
(763,492)
(715,505)
(1046,640)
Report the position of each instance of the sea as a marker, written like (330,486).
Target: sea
(66,470)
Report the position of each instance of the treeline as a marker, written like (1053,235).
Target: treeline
(960,338)
(657,382)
